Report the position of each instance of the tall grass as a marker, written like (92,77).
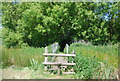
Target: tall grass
(95,62)
(0,55)
(92,68)
(92,62)
(21,57)
(107,54)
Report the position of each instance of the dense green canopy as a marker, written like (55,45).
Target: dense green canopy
(41,24)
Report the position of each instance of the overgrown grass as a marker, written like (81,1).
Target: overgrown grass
(21,57)
(107,54)
(92,62)
(92,68)
(96,62)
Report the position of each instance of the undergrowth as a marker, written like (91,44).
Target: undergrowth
(92,62)
(21,57)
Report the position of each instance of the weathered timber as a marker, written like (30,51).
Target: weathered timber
(62,72)
(46,50)
(46,59)
(60,55)
(58,63)
(68,64)
(68,72)
(46,68)
(67,46)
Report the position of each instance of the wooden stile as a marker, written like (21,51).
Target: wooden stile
(58,64)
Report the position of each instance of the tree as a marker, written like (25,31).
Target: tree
(60,22)
(41,24)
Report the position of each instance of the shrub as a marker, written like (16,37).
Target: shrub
(12,39)
(85,66)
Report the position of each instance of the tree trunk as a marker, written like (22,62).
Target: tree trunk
(63,43)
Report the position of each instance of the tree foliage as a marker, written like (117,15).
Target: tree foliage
(41,24)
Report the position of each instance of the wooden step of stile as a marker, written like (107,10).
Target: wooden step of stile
(58,63)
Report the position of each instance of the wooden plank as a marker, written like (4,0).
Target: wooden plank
(52,69)
(46,72)
(50,63)
(62,72)
(61,55)
(68,64)
(68,72)
(57,63)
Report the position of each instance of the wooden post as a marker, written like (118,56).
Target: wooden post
(67,51)
(46,50)
(67,46)
(46,58)
(73,60)
(45,67)
(59,69)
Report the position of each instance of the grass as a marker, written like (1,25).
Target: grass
(107,54)
(39,74)
(21,57)
(92,61)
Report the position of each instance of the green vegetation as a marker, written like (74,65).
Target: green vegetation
(86,67)
(0,35)
(41,24)
(92,68)
(29,27)
(91,62)
(21,57)
(108,54)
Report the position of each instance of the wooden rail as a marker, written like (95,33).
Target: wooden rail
(58,63)
(63,72)
(59,55)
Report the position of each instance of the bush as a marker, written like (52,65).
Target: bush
(105,53)
(85,67)
(12,39)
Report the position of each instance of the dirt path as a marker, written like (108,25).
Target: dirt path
(11,73)
(26,73)
(0,74)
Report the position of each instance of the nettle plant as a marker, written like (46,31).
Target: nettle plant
(85,67)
